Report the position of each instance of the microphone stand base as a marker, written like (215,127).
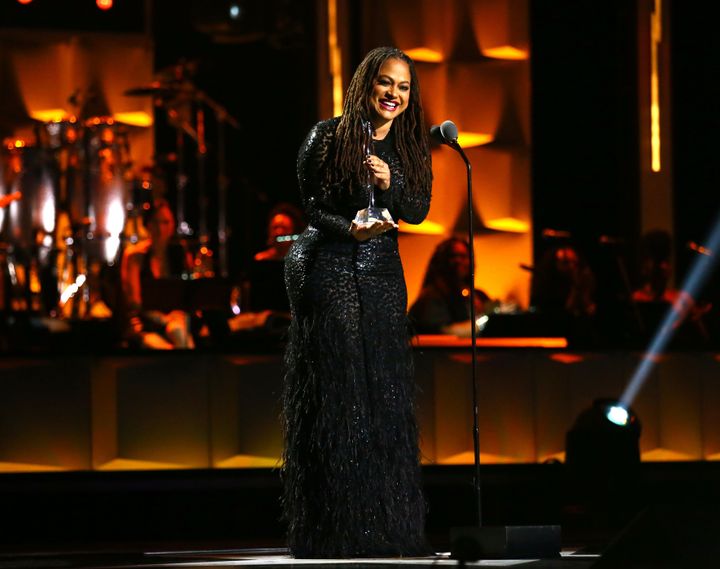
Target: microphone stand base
(505,542)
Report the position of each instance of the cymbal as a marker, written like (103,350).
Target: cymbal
(157,89)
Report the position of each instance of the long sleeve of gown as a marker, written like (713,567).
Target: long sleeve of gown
(312,158)
(412,206)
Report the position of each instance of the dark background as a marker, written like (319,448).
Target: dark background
(585,177)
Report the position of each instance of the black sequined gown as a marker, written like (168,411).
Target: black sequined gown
(351,470)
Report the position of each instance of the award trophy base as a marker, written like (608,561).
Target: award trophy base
(372,214)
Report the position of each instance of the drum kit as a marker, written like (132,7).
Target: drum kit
(71,200)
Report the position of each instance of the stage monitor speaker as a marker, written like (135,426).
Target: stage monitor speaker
(505,542)
(678,536)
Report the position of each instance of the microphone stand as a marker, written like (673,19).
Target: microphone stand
(473,331)
(479,542)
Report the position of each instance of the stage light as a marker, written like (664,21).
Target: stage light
(235,11)
(104,4)
(605,437)
(24,1)
(618,415)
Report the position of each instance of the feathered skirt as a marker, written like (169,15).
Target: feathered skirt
(351,471)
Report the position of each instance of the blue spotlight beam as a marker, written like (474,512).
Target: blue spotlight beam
(697,276)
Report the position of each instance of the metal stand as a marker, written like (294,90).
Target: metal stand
(479,542)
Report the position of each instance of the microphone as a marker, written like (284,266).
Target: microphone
(446,133)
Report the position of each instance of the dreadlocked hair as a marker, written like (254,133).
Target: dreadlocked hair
(412,144)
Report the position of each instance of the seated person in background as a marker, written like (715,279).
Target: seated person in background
(563,284)
(563,294)
(160,256)
(443,305)
(285,220)
(655,252)
(267,302)
(655,268)
(266,272)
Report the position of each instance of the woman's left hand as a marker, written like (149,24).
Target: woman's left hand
(380,171)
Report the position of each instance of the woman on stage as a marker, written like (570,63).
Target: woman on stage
(351,469)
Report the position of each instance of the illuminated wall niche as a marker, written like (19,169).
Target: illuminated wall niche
(473,65)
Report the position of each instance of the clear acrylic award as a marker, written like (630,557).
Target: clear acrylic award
(371,213)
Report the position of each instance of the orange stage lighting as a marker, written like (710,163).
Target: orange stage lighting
(104,4)
(509,224)
(24,1)
(470,139)
(425,228)
(424,54)
(506,52)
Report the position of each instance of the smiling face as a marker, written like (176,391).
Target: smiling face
(391,91)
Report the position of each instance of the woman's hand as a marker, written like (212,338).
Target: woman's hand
(380,171)
(365,231)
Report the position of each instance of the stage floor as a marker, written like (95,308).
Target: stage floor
(198,557)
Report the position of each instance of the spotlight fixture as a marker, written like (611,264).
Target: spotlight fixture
(24,1)
(604,436)
(104,4)
(235,11)
(618,415)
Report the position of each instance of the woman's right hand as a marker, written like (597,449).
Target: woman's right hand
(365,231)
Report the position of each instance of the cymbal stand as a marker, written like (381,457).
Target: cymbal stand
(222,117)
(183,228)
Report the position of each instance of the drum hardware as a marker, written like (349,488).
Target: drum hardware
(10,198)
(185,106)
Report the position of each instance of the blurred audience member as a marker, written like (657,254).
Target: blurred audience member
(655,252)
(266,272)
(161,256)
(285,221)
(443,305)
(265,305)
(563,284)
(563,295)
(655,267)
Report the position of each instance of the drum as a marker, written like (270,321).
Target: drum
(30,174)
(108,184)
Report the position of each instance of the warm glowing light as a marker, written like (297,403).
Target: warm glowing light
(424,228)
(115,224)
(509,224)
(424,54)
(49,115)
(24,1)
(470,139)
(249,461)
(48,215)
(567,359)
(443,340)
(506,52)
(335,57)
(655,39)
(18,144)
(72,290)
(134,118)
(132,464)
(104,4)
